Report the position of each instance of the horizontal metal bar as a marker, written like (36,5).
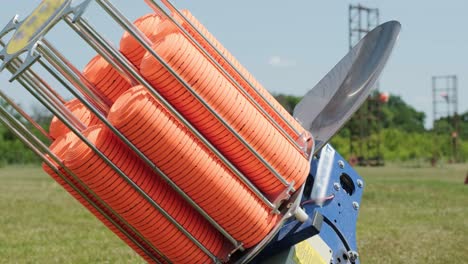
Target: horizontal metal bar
(60,63)
(130,28)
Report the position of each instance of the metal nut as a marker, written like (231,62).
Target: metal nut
(353,256)
(336,186)
(356,205)
(341,164)
(360,183)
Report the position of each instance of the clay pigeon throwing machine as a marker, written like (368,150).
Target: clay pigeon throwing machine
(176,148)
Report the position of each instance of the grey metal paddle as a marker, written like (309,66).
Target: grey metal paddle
(327,106)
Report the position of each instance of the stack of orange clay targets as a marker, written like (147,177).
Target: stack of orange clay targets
(60,147)
(172,147)
(273,108)
(106,80)
(58,129)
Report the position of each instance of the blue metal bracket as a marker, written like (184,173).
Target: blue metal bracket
(334,221)
(346,186)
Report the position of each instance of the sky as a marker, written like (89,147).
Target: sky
(290,45)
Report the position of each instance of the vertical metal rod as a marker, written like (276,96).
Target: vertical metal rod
(368,26)
(455,94)
(360,19)
(350,27)
(93,38)
(35,145)
(434,98)
(453,102)
(447,90)
(129,27)
(378,16)
(53,57)
(294,142)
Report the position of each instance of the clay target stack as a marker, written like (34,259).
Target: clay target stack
(107,81)
(272,107)
(176,151)
(60,147)
(79,111)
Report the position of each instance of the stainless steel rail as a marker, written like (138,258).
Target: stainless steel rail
(139,36)
(36,145)
(57,61)
(70,78)
(157,8)
(171,7)
(83,28)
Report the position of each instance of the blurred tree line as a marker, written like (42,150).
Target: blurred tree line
(403,135)
(12,150)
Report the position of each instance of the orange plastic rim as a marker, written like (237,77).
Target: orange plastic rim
(239,113)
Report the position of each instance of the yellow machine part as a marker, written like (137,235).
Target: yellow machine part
(40,17)
(306,254)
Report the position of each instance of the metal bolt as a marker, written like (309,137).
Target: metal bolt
(353,256)
(360,183)
(336,186)
(356,205)
(341,164)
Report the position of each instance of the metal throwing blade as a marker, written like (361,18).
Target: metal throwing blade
(327,107)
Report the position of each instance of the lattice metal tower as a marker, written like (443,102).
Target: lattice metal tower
(365,126)
(445,105)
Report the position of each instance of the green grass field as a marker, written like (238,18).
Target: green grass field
(414,215)
(407,216)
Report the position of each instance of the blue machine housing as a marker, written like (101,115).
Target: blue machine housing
(335,221)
